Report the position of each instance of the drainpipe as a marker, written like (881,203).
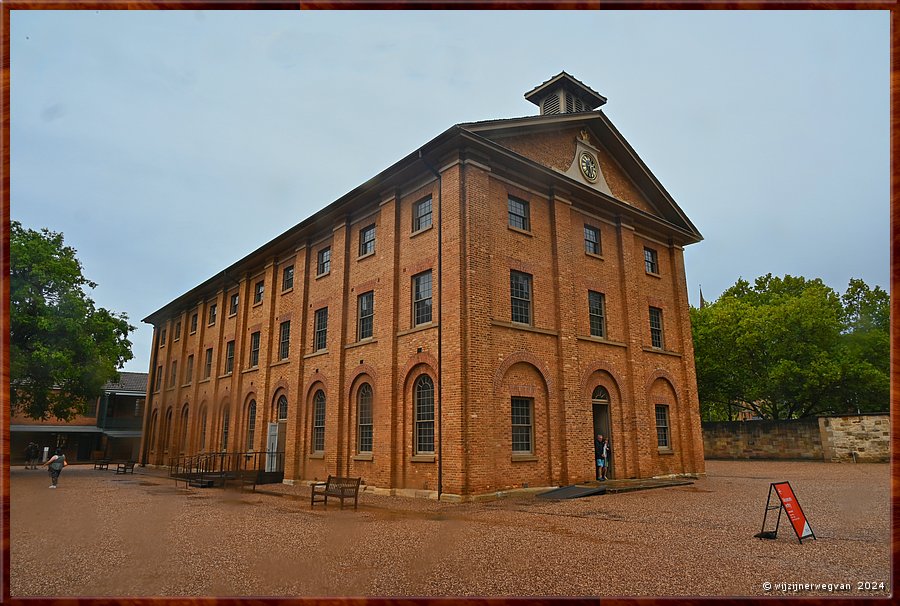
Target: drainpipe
(440,376)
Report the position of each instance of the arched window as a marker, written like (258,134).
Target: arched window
(282,408)
(364,419)
(203,429)
(168,433)
(182,440)
(424,409)
(225,418)
(251,424)
(318,437)
(600,394)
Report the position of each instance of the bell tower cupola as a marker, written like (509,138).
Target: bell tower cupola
(563,94)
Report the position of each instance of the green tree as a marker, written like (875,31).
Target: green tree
(791,347)
(63,349)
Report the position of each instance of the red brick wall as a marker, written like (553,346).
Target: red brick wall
(485,359)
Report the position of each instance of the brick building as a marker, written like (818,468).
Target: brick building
(463,322)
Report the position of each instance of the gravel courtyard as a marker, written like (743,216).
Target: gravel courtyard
(104,534)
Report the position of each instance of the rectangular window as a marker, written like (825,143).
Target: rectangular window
(284,342)
(651,261)
(422,298)
(173,374)
(233,307)
(365,315)
(139,407)
(323,266)
(193,323)
(258,292)
(522,427)
(162,336)
(254,349)
(367,240)
(229,357)
(422,214)
(597,313)
(656,328)
(207,367)
(591,240)
(177,330)
(662,426)
(318,441)
(189,371)
(212,314)
(321,333)
(287,278)
(158,382)
(519,214)
(520,296)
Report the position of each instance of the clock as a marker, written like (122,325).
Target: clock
(588,165)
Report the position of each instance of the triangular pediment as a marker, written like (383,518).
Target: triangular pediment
(588,149)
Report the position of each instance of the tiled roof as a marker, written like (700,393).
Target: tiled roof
(128,381)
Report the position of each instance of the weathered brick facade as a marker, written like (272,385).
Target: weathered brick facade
(478,359)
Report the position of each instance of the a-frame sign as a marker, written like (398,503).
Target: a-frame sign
(787,502)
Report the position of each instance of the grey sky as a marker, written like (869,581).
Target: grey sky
(167,145)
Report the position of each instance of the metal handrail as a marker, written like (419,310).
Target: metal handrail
(219,463)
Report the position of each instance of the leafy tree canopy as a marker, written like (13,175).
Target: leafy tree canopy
(790,347)
(63,349)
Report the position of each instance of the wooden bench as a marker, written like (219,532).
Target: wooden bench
(101,464)
(125,467)
(339,488)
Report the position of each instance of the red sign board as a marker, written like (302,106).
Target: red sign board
(794,512)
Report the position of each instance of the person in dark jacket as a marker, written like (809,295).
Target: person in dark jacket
(601,452)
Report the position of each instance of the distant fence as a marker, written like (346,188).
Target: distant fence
(863,438)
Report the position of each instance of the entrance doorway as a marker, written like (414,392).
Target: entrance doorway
(602,424)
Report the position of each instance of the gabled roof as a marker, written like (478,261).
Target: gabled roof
(128,381)
(600,126)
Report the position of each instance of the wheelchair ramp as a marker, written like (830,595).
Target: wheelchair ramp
(572,492)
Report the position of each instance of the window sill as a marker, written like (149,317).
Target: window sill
(366,341)
(403,333)
(206,380)
(232,315)
(321,352)
(520,231)
(317,455)
(595,255)
(211,324)
(257,304)
(652,275)
(363,457)
(665,451)
(664,352)
(421,231)
(365,256)
(594,339)
(193,332)
(287,290)
(183,385)
(280,362)
(323,275)
(249,370)
(516,458)
(525,327)
(423,458)
(226,375)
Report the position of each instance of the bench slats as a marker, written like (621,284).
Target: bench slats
(337,487)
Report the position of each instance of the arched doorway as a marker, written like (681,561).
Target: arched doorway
(602,422)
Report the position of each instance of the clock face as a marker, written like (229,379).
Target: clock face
(588,165)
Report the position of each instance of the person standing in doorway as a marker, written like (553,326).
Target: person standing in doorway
(56,464)
(601,452)
(32,453)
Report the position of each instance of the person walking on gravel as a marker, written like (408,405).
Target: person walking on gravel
(56,464)
(601,452)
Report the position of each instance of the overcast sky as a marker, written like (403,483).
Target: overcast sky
(167,145)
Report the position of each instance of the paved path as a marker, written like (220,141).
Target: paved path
(116,535)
